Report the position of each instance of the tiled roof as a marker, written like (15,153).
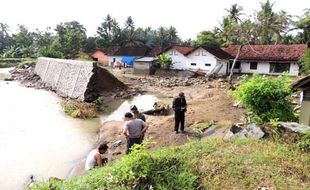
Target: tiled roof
(113,49)
(131,51)
(180,48)
(303,83)
(154,52)
(268,52)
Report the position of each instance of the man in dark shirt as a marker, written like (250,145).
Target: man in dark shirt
(179,106)
(136,113)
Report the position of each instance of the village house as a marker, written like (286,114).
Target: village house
(303,84)
(267,59)
(100,56)
(127,55)
(146,64)
(262,59)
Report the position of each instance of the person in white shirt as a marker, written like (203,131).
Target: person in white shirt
(95,157)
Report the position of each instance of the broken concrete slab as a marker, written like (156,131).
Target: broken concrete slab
(80,80)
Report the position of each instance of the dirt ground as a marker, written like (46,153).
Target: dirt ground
(209,101)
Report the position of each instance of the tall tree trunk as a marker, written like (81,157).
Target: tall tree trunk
(233,66)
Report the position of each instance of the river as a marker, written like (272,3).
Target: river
(37,138)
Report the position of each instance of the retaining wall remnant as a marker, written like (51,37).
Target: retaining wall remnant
(82,80)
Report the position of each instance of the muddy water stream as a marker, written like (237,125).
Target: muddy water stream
(37,138)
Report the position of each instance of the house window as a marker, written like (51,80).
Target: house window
(175,52)
(237,65)
(171,52)
(197,53)
(253,65)
(279,67)
(193,64)
(208,64)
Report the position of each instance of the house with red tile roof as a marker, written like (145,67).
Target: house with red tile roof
(262,59)
(268,59)
(178,55)
(202,58)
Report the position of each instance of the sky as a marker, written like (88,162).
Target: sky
(188,16)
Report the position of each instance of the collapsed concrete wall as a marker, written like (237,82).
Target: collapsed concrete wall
(80,80)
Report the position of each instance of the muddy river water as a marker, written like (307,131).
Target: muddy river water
(37,138)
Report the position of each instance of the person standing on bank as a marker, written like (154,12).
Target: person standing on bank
(179,106)
(134,130)
(136,113)
(95,158)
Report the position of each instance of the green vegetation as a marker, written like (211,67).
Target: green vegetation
(79,109)
(213,164)
(200,127)
(165,60)
(263,26)
(305,62)
(304,143)
(13,62)
(266,97)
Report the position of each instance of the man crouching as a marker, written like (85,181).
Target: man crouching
(95,157)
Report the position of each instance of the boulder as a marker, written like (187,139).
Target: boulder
(295,127)
(250,131)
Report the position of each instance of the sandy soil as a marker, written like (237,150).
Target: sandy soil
(206,102)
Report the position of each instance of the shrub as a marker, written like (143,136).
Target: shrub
(165,60)
(79,110)
(162,169)
(50,52)
(304,143)
(266,97)
(28,63)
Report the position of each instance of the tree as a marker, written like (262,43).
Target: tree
(207,38)
(270,24)
(24,40)
(304,24)
(5,39)
(70,38)
(109,33)
(90,44)
(234,13)
(305,62)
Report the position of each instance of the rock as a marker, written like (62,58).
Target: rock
(117,143)
(251,131)
(295,127)
(210,131)
(116,153)
(8,79)
(236,105)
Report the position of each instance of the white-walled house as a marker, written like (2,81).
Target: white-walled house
(201,58)
(207,58)
(262,59)
(178,55)
(268,59)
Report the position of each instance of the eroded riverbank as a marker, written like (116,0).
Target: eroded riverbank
(37,138)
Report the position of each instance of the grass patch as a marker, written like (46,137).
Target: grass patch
(13,62)
(26,63)
(213,164)
(79,109)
